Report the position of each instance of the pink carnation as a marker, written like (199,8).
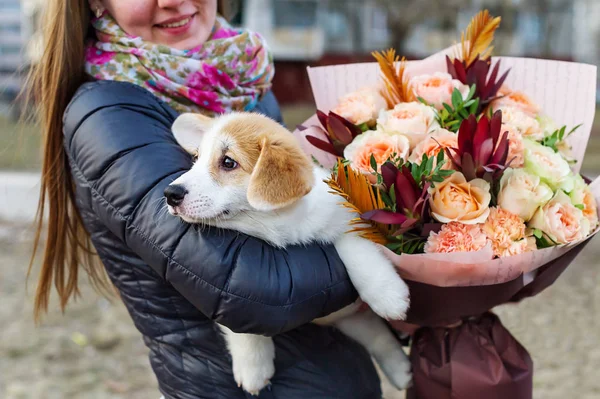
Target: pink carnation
(506,231)
(456,237)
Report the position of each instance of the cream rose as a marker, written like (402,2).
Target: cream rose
(414,120)
(581,195)
(433,144)
(561,220)
(437,89)
(362,106)
(456,200)
(527,125)
(550,166)
(519,100)
(378,144)
(522,193)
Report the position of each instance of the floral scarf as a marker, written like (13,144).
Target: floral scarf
(229,72)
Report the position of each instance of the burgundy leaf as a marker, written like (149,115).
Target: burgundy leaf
(451,68)
(496,125)
(340,131)
(389,172)
(501,153)
(455,158)
(485,152)
(480,137)
(323,145)
(461,71)
(468,167)
(354,130)
(384,217)
(406,196)
(301,128)
(467,127)
(408,175)
(499,84)
(430,228)
(323,119)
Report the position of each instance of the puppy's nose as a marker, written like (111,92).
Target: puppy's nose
(175,194)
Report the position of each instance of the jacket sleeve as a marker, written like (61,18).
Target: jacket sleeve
(120,148)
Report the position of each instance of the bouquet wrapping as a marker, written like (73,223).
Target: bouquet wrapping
(472,164)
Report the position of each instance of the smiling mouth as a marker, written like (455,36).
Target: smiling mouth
(177,24)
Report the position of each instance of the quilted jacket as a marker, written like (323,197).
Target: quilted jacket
(177,280)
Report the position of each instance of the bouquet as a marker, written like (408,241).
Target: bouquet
(465,167)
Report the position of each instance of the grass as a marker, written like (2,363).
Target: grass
(21,142)
(20,145)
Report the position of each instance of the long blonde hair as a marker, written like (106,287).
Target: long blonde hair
(51,84)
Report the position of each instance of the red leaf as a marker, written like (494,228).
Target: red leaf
(501,153)
(322,145)
(455,158)
(410,178)
(451,68)
(389,172)
(323,119)
(467,128)
(496,125)
(461,71)
(339,130)
(480,137)
(354,130)
(468,167)
(486,149)
(405,193)
(384,217)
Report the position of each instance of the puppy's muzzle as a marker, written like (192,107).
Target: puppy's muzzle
(175,193)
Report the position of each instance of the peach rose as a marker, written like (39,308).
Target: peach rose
(528,126)
(380,145)
(362,106)
(433,144)
(519,100)
(503,228)
(456,200)
(414,120)
(456,237)
(437,89)
(561,220)
(516,148)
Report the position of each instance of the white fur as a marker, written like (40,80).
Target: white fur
(317,217)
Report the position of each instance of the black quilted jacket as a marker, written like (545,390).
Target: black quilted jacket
(176,280)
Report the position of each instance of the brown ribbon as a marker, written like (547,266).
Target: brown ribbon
(479,359)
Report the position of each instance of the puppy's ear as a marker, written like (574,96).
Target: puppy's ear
(283,174)
(189,129)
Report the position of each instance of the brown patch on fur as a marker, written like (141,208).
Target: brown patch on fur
(280,172)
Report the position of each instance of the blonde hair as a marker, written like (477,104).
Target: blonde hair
(51,84)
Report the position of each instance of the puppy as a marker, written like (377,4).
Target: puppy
(252,176)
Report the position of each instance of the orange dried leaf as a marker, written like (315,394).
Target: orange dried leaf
(359,197)
(476,41)
(393,74)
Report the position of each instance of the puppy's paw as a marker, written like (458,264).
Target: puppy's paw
(390,301)
(252,378)
(396,368)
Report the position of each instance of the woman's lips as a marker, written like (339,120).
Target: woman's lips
(177,27)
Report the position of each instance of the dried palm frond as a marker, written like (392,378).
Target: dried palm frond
(476,41)
(359,197)
(396,84)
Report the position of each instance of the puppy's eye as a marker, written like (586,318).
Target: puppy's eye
(228,163)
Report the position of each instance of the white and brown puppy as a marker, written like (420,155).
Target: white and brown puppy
(252,176)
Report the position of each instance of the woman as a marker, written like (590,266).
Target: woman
(112,79)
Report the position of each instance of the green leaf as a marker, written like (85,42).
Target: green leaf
(456,98)
(580,206)
(393,194)
(373,163)
(538,233)
(574,129)
(447,108)
(364,127)
(422,100)
(472,91)
(316,161)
